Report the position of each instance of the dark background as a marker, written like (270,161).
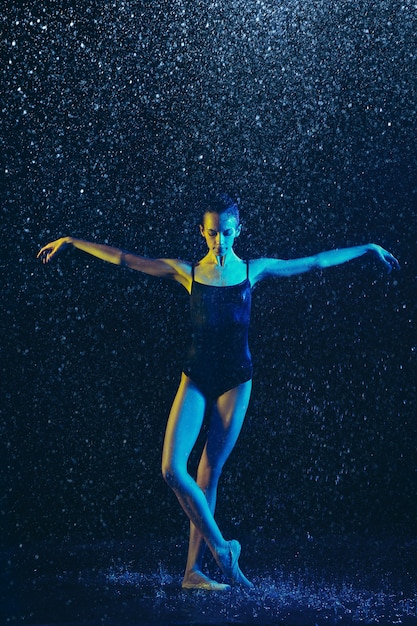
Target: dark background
(115,116)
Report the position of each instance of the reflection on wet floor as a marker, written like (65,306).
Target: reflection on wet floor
(327,581)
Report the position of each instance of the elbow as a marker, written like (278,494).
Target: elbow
(317,262)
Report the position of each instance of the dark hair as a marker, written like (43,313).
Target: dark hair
(220,203)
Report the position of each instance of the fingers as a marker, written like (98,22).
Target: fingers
(45,254)
(392,262)
(395,263)
(43,250)
(387,259)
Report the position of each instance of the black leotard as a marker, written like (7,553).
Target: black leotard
(219,358)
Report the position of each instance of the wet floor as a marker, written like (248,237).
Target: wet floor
(305,581)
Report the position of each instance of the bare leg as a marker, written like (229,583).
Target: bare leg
(225,426)
(183,427)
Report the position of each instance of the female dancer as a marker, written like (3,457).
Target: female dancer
(217,369)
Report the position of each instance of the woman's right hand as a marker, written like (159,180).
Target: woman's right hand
(47,253)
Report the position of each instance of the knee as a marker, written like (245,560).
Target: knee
(171,474)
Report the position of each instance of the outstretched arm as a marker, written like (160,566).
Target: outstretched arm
(263,268)
(162,268)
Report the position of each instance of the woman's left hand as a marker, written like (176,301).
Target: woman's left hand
(386,257)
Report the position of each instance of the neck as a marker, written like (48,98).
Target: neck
(221,261)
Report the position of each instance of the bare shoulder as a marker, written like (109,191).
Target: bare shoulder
(180,271)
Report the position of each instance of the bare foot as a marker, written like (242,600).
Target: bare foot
(229,564)
(197,580)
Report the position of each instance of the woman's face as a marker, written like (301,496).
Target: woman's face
(220,232)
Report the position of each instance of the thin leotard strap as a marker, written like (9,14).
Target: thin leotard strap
(247,270)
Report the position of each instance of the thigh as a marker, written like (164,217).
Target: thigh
(226,423)
(184,424)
